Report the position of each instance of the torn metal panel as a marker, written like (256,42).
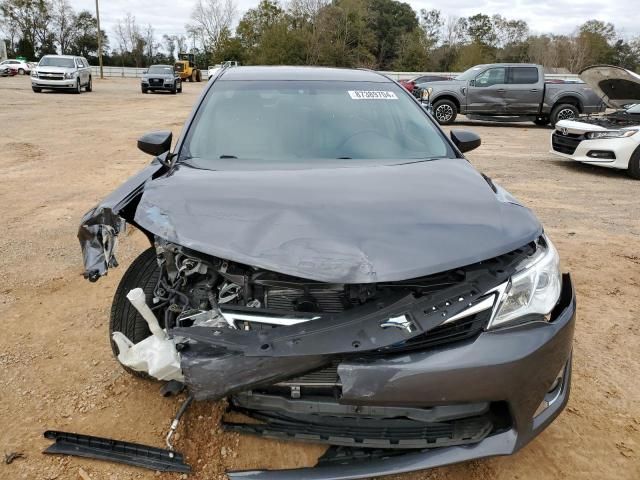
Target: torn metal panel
(101,225)
(361,224)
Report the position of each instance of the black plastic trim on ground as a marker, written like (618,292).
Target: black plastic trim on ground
(117,451)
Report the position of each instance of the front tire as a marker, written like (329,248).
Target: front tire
(36,89)
(78,89)
(144,273)
(89,87)
(198,76)
(21,71)
(179,87)
(634,165)
(564,111)
(445,111)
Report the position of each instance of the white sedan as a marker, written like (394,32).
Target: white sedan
(611,140)
(19,66)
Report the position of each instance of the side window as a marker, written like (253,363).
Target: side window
(523,75)
(493,76)
(85,63)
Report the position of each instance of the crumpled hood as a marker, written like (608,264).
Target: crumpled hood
(616,85)
(342,225)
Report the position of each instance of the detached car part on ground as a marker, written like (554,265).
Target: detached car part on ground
(323,255)
(611,140)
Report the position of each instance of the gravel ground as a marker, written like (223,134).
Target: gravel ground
(61,153)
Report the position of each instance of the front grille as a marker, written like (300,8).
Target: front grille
(311,300)
(566,144)
(368,433)
(156,81)
(51,76)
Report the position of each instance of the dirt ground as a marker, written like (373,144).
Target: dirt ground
(61,153)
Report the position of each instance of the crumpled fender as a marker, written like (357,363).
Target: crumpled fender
(101,225)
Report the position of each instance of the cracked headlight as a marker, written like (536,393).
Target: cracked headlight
(534,289)
(611,134)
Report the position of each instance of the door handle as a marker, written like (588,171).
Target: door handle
(534,90)
(501,90)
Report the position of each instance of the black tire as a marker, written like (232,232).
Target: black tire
(36,89)
(174,90)
(541,121)
(445,111)
(89,87)
(564,111)
(144,90)
(192,77)
(143,272)
(198,76)
(179,87)
(78,89)
(634,165)
(21,71)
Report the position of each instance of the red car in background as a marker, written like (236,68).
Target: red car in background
(6,71)
(410,85)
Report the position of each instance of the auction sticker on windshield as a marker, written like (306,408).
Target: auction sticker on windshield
(372,95)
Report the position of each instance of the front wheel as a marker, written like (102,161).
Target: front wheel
(21,71)
(89,87)
(144,273)
(634,165)
(198,76)
(179,87)
(36,89)
(78,88)
(445,111)
(564,111)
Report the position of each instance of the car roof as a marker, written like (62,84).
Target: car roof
(62,56)
(161,65)
(302,73)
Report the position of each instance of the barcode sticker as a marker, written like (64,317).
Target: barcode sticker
(372,95)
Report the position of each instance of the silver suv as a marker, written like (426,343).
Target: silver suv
(66,72)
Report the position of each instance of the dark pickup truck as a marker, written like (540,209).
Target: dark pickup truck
(510,92)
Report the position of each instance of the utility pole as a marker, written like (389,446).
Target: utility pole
(99,40)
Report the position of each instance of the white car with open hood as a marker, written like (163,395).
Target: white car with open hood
(611,140)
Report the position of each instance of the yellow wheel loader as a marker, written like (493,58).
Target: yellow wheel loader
(186,67)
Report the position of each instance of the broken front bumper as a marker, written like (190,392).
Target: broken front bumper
(526,368)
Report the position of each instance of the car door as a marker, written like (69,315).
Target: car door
(524,90)
(486,93)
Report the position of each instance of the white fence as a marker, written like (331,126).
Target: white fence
(131,72)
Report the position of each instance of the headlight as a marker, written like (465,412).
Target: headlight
(70,75)
(611,134)
(534,289)
(34,74)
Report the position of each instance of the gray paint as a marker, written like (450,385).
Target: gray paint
(345,225)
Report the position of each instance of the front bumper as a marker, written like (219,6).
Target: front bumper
(165,86)
(619,150)
(47,83)
(516,366)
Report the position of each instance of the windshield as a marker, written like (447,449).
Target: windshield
(57,62)
(470,74)
(158,69)
(311,122)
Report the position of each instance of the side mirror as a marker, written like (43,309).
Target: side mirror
(155,143)
(465,140)
(472,83)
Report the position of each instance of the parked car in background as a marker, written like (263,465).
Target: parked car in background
(513,92)
(324,255)
(213,70)
(414,84)
(611,140)
(62,72)
(21,67)
(161,77)
(6,71)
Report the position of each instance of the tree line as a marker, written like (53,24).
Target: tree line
(377,34)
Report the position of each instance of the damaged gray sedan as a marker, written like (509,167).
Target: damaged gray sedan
(324,256)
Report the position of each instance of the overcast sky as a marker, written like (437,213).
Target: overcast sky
(556,16)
